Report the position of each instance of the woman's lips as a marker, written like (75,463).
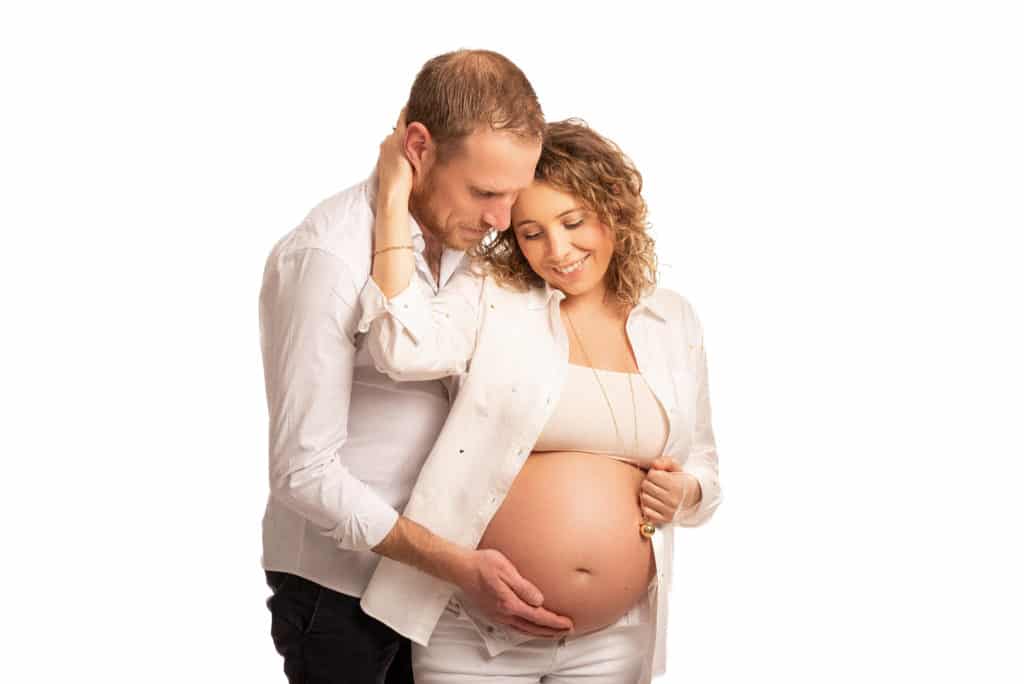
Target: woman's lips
(575,268)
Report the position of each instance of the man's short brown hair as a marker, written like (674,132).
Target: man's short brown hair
(458,92)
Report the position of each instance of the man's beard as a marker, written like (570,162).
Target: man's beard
(431,224)
(426,217)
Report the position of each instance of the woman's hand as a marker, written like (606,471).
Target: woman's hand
(665,489)
(394,172)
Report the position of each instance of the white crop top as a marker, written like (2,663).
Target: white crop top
(582,421)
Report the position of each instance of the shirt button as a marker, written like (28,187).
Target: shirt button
(490,629)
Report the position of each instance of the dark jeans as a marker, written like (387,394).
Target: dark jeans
(326,638)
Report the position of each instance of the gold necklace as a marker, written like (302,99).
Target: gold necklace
(646,527)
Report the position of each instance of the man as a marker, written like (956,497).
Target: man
(346,442)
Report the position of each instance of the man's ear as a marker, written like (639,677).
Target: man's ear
(420,149)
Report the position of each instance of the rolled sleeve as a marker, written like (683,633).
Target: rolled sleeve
(711,496)
(370,519)
(415,336)
(410,309)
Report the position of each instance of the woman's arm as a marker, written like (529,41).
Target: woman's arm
(411,334)
(393,258)
(687,493)
(702,461)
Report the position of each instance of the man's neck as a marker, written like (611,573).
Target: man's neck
(433,248)
(432,253)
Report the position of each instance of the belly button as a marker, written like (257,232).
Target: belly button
(585,571)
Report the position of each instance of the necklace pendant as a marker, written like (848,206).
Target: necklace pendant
(647,529)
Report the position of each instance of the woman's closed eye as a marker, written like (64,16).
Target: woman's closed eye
(568,226)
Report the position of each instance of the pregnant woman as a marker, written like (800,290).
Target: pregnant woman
(586,388)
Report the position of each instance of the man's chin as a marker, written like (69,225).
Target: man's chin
(465,238)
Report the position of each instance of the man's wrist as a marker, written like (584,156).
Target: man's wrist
(412,544)
(456,566)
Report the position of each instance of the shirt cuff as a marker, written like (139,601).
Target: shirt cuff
(366,529)
(695,515)
(407,308)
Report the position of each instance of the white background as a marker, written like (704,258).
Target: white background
(836,186)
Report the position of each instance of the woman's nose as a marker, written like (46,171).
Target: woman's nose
(558,244)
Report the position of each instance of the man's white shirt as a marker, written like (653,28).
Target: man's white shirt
(346,442)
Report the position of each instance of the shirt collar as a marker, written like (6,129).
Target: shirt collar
(653,303)
(541,298)
(416,233)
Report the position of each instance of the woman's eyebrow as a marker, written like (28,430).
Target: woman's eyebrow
(567,211)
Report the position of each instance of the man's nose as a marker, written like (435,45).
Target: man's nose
(500,215)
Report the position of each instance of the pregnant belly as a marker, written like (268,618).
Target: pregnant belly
(570,524)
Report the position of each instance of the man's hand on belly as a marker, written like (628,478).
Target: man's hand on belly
(497,590)
(486,577)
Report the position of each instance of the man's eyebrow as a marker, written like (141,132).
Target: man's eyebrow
(492,191)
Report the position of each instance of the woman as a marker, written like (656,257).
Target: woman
(563,345)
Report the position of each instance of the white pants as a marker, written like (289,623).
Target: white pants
(457,655)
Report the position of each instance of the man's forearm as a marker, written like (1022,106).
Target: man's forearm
(410,543)
(487,577)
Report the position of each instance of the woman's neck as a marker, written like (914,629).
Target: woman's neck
(433,246)
(596,301)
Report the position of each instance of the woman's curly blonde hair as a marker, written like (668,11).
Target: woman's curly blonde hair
(578,161)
